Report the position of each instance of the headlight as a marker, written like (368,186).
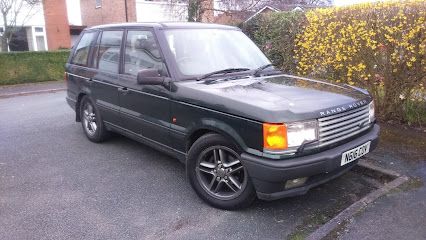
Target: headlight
(291,135)
(299,132)
(371,116)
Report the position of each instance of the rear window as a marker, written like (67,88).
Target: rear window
(108,51)
(81,52)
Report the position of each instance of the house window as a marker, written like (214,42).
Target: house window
(40,43)
(38,29)
(19,40)
(98,3)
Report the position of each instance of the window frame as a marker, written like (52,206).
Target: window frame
(39,28)
(123,54)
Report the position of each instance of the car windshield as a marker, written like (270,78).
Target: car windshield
(202,51)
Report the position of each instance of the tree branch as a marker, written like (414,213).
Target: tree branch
(11,10)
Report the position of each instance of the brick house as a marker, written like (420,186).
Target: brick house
(97,12)
(57,26)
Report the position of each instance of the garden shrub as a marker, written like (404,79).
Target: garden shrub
(378,46)
(25,67)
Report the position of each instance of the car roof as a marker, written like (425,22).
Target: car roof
(165,25)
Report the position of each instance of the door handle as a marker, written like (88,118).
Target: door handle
(123,90)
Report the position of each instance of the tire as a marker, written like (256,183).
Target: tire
(215,172)
(91,121)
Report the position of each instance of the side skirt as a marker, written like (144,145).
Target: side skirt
(181,156)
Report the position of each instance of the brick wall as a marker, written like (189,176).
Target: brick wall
(131,10)
(57,26)
(111,11)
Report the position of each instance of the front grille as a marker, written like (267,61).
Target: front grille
(338,127)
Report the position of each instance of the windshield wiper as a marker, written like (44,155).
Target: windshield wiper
(224,71)
(260,69)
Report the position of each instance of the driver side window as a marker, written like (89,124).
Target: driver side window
(142,52)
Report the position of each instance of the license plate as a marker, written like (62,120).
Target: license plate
(354,154)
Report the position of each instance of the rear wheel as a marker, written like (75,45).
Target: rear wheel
(91,121)
(217,174)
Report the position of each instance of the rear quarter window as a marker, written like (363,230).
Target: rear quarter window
(82,50)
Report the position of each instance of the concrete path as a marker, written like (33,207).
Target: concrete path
(401,214)
(31,88)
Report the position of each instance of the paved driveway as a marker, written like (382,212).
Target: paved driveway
(55,184)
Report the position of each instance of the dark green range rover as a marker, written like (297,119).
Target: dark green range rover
(206,95)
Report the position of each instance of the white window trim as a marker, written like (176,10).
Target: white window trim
(35,34)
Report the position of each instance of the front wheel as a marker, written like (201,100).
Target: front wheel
(217,175)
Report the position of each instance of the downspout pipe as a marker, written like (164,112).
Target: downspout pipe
(125,8)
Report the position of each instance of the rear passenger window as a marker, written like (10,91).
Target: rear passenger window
(108,51)
(142,52)
(82,50)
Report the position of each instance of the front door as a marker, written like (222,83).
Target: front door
(145,109)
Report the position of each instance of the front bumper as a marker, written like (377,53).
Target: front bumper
(269,176)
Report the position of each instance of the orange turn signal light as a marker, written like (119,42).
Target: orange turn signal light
(274,136)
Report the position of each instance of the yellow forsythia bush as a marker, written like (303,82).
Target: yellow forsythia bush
(379,46)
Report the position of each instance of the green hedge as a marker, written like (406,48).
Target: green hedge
(28,67)
(275,34)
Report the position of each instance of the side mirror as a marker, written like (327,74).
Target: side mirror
(150,77)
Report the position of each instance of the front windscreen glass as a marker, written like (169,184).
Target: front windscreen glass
(202,51)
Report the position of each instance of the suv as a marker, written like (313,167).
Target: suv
(206,95)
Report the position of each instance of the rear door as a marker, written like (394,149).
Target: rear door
(78,69)
(145,109)
(105,67)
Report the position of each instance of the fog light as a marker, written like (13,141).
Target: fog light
(295,182)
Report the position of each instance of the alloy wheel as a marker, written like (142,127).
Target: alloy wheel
(89,119)
(221,173)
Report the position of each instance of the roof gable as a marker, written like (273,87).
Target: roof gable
(265,8)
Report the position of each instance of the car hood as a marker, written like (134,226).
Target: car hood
(282,98)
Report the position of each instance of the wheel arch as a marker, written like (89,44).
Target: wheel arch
(214,126)
(77,106)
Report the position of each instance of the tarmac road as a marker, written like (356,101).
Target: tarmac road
(55,184)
